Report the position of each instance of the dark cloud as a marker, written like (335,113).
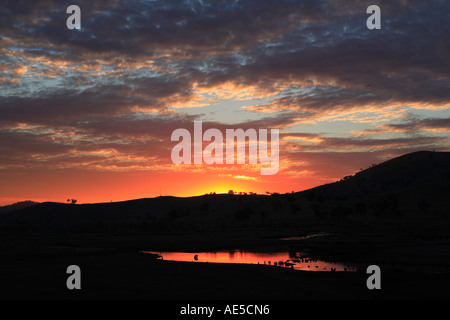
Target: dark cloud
(322,143)
(335,165)
(258,43)
(412,126)
(312,57)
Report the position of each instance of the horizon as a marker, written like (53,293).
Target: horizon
(235,192)
(88,114)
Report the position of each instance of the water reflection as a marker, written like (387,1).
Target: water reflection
(309,236)
(295,260)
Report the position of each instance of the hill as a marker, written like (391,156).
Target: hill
(17,206)
(406,172)
(413,185)
(395,214)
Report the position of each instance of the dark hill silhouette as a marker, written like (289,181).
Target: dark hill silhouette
(411,184)
(409,172)
(17,206)
(395,215)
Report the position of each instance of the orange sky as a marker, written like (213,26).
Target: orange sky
(88,114)
(95,186)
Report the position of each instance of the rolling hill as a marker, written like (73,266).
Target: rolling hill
(16,206)
(415,184)
(407,172)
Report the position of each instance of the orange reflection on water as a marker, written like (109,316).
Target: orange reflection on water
(284,259)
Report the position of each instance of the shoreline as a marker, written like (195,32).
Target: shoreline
(135,276)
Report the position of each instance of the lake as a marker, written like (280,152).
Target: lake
(295,260)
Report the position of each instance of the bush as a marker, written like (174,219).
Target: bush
(204,207)
(243,214)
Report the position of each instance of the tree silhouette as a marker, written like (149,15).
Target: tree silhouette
(360,208)
(310,195)
(424,205)
(294,207)
(243,213)
(263,214)
(173,214)
(291,197)
(204,207)
(381,206)
(340,211)
(318,211)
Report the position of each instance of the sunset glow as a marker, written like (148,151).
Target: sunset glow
(262,258)
(88,114)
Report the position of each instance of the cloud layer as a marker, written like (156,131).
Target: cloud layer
(108,96)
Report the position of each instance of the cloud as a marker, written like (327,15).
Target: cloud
(107,97)
(412,126)
(318,54)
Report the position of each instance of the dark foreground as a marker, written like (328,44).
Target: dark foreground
(121,275)
(394,215)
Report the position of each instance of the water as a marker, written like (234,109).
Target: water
(309,236)
(295,260)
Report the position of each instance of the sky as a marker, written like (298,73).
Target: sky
(88,114)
